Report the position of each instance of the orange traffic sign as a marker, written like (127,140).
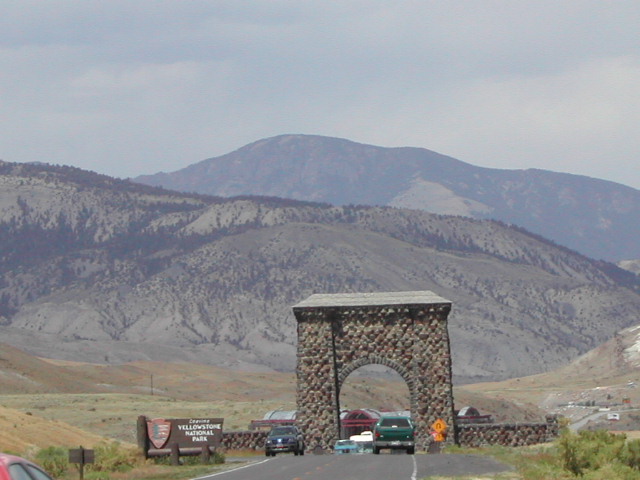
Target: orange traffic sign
(438,437)
(439,426)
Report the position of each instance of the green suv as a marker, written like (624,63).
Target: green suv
(395,433)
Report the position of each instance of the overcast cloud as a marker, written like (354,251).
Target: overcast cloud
(135,87)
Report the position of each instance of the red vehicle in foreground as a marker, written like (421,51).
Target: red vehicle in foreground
(16,468)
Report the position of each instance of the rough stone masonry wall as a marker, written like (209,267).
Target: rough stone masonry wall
(509,435)
(244,440)
(335,341)
(316,384)
(472,435)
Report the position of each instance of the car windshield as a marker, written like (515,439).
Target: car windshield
(395,422)
(283,431)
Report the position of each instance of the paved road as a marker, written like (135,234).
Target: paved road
(594,416)
(361,467)
(583,421)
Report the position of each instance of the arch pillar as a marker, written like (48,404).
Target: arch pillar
(338,333)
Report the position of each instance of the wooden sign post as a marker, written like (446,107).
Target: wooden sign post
(81,456)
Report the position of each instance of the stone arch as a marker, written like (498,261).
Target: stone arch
(339,333)
(375,360)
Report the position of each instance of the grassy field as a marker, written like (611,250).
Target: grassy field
(45,402)
(22,431)
(114,415)
(104,401)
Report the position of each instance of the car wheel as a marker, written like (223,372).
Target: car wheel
(376,450)
(267,454)
(411,451)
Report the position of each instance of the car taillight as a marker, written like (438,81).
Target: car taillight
(377,434)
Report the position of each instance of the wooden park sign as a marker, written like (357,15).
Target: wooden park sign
(179,436)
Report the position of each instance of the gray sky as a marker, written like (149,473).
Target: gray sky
(127,87)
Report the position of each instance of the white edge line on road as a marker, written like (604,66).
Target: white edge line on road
(415,468)
(232,470)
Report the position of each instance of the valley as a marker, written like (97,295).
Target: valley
(41,407)
(119,299)
(116,395)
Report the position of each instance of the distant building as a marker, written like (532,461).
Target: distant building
(354,422)
(471,415)
(274,417)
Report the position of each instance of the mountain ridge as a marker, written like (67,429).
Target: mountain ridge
(596,217)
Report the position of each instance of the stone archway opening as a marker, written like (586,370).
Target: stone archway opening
(368,393)
(376,387)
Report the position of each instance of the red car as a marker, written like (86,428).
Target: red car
(16,468)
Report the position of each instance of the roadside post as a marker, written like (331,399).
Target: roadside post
(81,456)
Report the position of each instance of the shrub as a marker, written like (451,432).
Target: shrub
(631,454)
(599,455)
(612,471)
(55,460)
(588,455)
(216,458)
(112,457)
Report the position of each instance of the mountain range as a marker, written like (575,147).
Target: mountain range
(99,269)
(597,218)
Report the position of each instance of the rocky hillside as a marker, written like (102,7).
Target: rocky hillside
(105,270)
(597,218)
(630,265)
(584,391)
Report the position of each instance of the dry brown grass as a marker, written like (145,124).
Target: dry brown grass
(536,389)
(106,400)
(115,415)
(20,432)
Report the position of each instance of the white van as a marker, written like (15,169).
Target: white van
(364,441)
